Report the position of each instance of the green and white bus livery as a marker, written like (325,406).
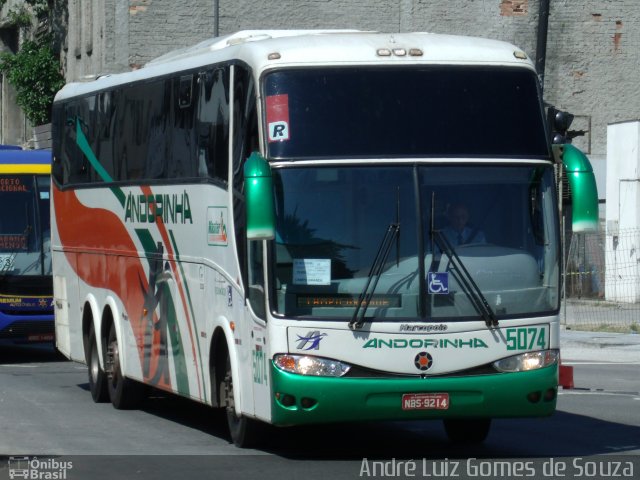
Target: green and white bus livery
(263,223)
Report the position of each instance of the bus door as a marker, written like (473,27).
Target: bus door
(257,335)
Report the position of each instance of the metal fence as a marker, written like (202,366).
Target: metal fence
(602,281)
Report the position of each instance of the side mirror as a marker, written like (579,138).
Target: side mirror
(258,188)
(559,123)
(584,193)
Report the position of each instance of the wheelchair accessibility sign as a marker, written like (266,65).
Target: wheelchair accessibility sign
(438,283)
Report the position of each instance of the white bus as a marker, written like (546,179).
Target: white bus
(260,223)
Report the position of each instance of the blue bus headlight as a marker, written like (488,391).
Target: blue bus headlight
(309,365)
(527,361)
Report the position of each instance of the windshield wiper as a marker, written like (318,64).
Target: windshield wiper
(376,269)
(470,287)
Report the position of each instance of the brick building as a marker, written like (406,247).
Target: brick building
(592,53)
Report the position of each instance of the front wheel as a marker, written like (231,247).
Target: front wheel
(123,392)
(244,431)
(467,431)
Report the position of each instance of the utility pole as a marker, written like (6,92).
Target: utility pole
(541,44)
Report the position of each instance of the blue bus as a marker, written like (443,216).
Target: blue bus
(26,288)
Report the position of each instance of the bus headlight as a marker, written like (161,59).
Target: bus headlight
(308,365)
(527,361)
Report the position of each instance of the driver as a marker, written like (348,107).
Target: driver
(459,232)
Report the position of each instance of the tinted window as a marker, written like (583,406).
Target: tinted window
(422,111)
(25,228)
(331,225)
(213,124)
(171,128)
(245,124)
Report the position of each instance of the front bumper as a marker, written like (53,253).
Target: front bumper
(18,329)
(327,399)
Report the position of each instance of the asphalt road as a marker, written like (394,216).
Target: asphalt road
(46,412)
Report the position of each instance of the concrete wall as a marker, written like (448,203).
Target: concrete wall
(13,129)
(623,213)
(593,52)
(592,65)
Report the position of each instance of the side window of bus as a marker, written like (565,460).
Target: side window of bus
(125,164)
(103,123)
(245,120)
(158,125)
(182,161)
(212,124)
(256,278)
(74,162)
(245,140)
(140,147)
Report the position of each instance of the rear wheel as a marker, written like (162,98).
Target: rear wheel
(244,432)
(123,392)
(473,430)
(97,376)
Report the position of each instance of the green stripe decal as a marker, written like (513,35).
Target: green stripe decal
(83,143)
(119,195)
(147,242)
(193,316)
(179,363)
(167,315)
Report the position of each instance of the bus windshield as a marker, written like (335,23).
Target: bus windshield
(500,222)
(24,225)
(426,111)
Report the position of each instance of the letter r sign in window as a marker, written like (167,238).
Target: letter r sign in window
(278,117)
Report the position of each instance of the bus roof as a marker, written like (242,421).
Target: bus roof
(263,49)
(25,161)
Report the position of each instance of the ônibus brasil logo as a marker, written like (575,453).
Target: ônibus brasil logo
(40,469)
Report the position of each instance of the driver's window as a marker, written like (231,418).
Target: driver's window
(256,278)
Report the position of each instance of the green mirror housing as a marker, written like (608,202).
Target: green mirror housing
(258,188)
(584,193)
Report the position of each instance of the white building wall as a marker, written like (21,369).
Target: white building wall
(623,213)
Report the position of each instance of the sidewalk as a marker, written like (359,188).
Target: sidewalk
(599,346)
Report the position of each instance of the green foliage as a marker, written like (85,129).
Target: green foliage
(20,17)
(40,7)
(35,73)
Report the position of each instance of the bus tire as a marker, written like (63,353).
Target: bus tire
(467,431)
(124,393)
(244,431)
(97,376)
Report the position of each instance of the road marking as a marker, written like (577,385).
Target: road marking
(19,366)
(595,392)
(578,362)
